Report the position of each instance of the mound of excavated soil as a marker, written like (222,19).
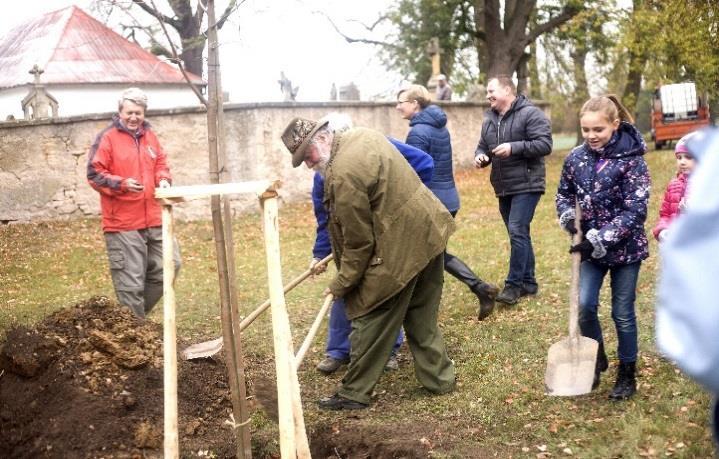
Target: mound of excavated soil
(87,382)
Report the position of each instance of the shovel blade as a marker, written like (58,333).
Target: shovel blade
(202,350)
(570,366)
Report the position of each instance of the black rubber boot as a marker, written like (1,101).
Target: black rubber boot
(626,384)
(601,365)
(485,292)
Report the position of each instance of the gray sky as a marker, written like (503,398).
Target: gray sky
(281,35)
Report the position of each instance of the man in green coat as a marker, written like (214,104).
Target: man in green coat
(388,234)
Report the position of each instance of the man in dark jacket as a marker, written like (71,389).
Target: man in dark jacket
(515,138)
(387,279)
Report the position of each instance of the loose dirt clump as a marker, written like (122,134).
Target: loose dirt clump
(87,382)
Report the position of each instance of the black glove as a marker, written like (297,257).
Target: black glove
(570,226)
(585,248)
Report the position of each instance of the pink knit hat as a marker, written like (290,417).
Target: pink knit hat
(682,144)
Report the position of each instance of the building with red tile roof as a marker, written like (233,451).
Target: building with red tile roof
(85,65)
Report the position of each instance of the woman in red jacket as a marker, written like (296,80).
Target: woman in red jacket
(125,165)
(675,196)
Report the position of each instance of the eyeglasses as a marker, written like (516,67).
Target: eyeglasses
(403,101)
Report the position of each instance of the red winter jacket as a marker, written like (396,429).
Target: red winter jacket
(118,154)
(671,203)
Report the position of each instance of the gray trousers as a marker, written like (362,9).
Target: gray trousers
(136,267)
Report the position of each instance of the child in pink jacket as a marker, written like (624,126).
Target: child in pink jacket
(674,197)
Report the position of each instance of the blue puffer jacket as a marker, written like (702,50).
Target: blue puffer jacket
(612,186)
(428,132)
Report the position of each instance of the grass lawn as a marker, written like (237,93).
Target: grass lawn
(499,409)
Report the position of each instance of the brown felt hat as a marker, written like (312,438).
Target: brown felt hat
(297,136)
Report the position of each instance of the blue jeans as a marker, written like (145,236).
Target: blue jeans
(338,333)
(624,285)
(517,212)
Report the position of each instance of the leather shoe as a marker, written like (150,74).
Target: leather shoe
(510,294)
(329,365)
(530,289)
(338,402)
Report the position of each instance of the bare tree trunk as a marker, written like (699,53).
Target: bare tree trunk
(507,37)
(581,92)
(192,57)
(480,40)
(637,62)
(535,86)
(523,75)
(222,226)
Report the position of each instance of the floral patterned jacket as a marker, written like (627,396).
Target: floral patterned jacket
(612,187)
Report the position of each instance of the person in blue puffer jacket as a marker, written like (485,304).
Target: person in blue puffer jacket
(338,344)
(608,179)
(428,132)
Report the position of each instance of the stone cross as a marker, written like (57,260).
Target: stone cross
(37,71)
(38,103)
(434,52)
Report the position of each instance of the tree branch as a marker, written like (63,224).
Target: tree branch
(176,58)
(231,8)
(153,11)
(370,28)
(349,39)
(566,14)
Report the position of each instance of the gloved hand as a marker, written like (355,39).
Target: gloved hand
(570,226)
(585,248)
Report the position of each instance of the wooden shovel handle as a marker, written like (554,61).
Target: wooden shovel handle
(296,281)
(574,286)
(313,331)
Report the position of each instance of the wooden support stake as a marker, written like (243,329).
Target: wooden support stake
(239,392)
(313,331)
(169,338)
(293,437)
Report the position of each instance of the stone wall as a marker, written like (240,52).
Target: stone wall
(43,163)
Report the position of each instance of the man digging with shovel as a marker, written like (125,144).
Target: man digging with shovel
(388,234)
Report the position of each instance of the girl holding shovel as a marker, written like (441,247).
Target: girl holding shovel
(608,177)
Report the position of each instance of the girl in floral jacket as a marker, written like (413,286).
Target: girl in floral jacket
(674,197)
(608,177)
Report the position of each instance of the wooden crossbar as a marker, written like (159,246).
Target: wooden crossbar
(186,193)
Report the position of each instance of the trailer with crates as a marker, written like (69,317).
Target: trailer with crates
(677,110)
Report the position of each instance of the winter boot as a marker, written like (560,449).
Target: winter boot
(626,384)
(510,294)
(485,293)
(601,365)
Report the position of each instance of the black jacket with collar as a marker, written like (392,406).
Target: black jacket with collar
(529,132)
